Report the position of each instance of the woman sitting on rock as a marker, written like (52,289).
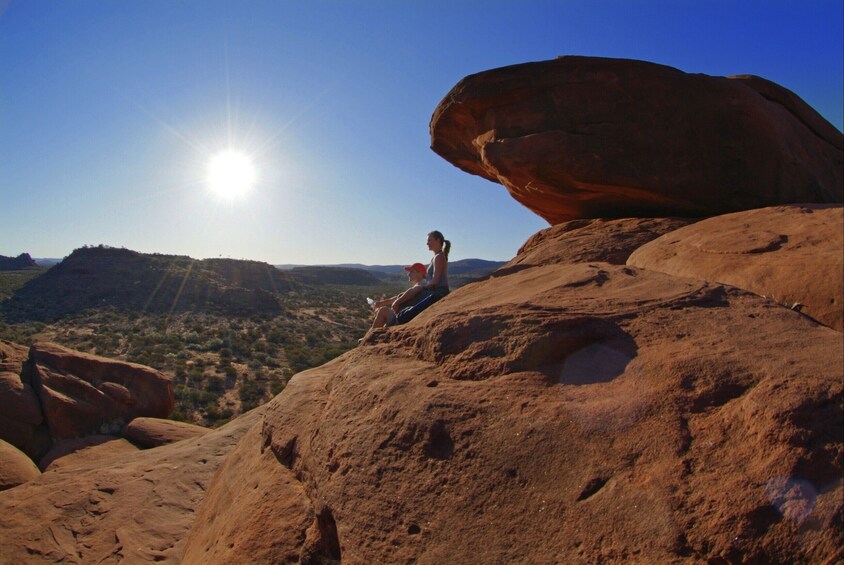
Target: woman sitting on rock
(438,269)
(437,284)
(423,293)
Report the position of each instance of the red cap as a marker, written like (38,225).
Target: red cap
(417,267)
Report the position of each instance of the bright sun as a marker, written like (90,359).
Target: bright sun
(231,174)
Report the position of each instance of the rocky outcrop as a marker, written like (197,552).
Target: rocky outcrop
(20,413)
(580,241)
(83,451)
(790,254)
(22,261)
(84,394)
(267,516)
(153,432)
(587,137)
(49,393)
(15,467)
(570,408)
(123,505)
(581,411)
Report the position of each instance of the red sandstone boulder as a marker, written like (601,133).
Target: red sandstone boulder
(20,413)
(587,137)
(153,432)
(84,394)
(12,356)
(580,241)
(255,511)
(790,254)
(15,467)
(123,505)
(83,451)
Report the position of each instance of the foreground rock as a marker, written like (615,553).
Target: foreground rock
(557,413)
(20,414)
(133,507)
(84,451)
(153,432)
(586,137)
(790,254)
(579,241)
(15,467)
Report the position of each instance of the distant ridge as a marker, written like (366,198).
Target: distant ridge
(22,261)
(94,277)
(459,267)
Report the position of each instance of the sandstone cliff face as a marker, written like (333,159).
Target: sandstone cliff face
(587,137)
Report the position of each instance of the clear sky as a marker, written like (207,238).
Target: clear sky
(110,112)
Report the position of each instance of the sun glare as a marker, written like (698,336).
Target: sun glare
(231,174)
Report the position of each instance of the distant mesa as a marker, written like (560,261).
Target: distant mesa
(96,277)
(22,261)
(333,275)
(588,137)
(110,277)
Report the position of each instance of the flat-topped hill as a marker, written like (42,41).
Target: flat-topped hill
(95,277)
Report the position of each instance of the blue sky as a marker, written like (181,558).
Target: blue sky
(111,110)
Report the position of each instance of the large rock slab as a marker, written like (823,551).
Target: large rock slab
(579,241)
(21,414)
(16,467)
(256,511)
(559,413)
(12,356)
(790,254)
(84,451)
(153,432)
(132,507)
(588,137)
(83,394)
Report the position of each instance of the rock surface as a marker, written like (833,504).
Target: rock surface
(20,416)
(587,137)
(15,467)
(791,254)
(583,412)
(255,511)
(571,408)
(84,451)
(580,241)
(133,507)
(84,394)
(153,432)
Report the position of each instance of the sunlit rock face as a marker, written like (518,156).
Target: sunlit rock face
(49,393)
(789,254)
(565,409)
(586,137)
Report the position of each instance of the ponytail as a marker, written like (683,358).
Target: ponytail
(446,247)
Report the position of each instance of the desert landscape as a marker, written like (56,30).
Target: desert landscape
(654,378)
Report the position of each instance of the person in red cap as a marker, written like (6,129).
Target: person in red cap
(387,310)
